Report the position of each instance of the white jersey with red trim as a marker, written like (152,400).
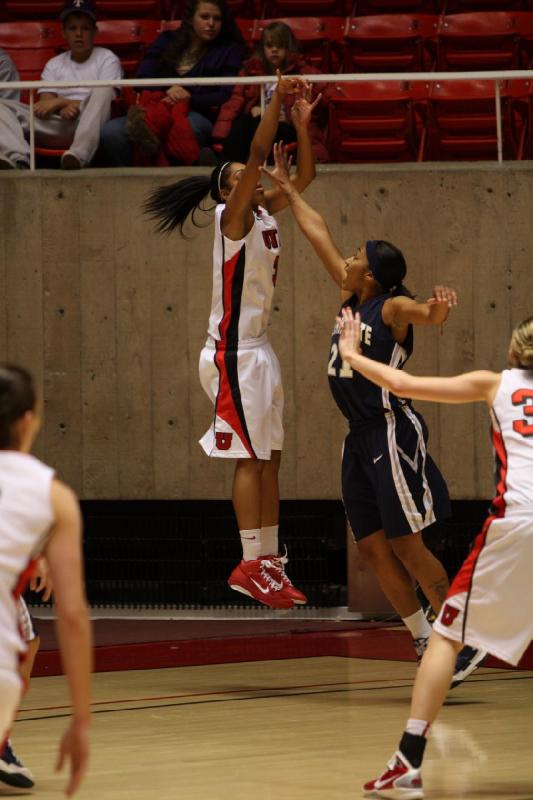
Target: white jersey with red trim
(512,426)
(244,275)
(26,516)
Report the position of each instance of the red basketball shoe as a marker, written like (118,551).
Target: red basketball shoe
(259,579)
(400,780)
(289,589)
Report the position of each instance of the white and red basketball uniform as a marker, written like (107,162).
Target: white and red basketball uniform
(25,518)
(239,370)
(490,603)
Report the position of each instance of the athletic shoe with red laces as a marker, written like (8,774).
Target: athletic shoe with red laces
(289,589)
(256,579)
(400,780)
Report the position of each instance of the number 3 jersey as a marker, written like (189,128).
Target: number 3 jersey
(360,400)
(512,438)
(244,275)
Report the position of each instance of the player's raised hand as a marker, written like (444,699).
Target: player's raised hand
(289,84)
(282,165)
(350,334)
(74,747)
(303,108)
(443,294)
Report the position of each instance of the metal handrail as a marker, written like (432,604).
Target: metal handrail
(429,77)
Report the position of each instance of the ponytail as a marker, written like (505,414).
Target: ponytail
(17,396)
(171,205)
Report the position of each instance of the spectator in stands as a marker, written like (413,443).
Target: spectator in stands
(70,118)
(8,72)
(180,120)
(239,117)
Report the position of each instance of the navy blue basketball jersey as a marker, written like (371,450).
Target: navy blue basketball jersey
(359,399)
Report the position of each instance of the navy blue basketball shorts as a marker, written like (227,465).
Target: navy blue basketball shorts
(389,480)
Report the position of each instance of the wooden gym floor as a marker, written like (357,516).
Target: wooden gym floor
(293,729)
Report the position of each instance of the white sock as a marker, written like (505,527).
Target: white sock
(417,624)
(418,727)
(251,544)
(269,540)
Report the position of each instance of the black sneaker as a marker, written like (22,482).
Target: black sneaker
(468,659)
(12,772)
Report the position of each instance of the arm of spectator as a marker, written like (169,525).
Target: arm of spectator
(110,68)
(49,104)
(8,72)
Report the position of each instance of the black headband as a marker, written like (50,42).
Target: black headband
(375,265)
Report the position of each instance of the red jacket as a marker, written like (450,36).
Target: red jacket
(245,97)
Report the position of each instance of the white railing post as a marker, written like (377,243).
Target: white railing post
(32,130)
(499,121)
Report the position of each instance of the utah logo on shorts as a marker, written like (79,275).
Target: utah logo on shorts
(449,613)
(223,440)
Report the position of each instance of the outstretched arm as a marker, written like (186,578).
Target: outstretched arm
(311,223)
(469,387)
(301,114)
(63,553)
(238,215)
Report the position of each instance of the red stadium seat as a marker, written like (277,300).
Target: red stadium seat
(249,9)
(460,6)
(462,122)
(390,43)
(370,7)
(372,122)
(127,39)
(521,113)
(32,9)
(31,45)
(319,39)
(129,9)
(301,8)
(524,27)
(482,40)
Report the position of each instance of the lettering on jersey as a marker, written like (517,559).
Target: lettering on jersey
(270,238)
(521,398)
(223,440)
(275,270)
(449,613)
(366,333)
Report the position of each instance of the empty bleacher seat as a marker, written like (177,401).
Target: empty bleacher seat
(319,39)
(460,6)
(128,39)
(481,40)
(303,8)
(372,122)
(31,45)
(461,122)
(390,43)
(32,9)
(369,7)
(249,9)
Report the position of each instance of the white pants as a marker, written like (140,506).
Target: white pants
(490,602)
(245,388)
(81,136)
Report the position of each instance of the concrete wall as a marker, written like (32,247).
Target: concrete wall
(111,318)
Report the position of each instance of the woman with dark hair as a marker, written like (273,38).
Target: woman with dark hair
(239,116)
(39,515)
(179,120)
(391,488)
(490,603)
(239,370)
